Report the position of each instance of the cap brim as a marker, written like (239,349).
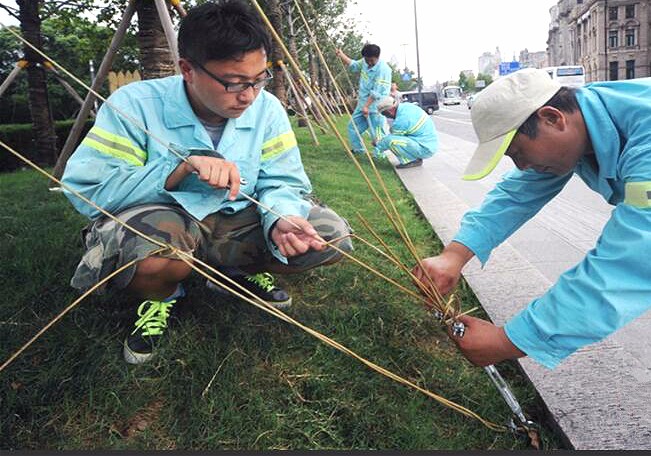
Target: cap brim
(487,156)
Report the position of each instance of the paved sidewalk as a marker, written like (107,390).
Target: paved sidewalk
(600,396)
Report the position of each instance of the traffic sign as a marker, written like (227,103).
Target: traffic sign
(509,67)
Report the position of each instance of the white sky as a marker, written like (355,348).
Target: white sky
(452,35)
(5,18)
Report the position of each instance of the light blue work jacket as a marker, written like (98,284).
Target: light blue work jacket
(612,285)
(374,82)
(414,123)
(118,165)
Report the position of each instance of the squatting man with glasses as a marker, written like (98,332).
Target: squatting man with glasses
(236,139)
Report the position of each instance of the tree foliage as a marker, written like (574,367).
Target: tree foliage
(72,44)
(73,39)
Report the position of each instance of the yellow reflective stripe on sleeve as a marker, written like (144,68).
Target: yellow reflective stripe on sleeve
(638,194)
(116,146)
(278,145)
(112,152)
(419,124)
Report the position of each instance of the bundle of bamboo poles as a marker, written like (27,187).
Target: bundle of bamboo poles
(446,310)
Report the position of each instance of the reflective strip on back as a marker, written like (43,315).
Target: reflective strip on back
(278,145)
(419,124)
(638,194)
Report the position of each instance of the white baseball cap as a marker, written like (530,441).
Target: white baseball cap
(500,109)
(386,103)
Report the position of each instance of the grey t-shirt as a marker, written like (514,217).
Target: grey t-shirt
(215,132)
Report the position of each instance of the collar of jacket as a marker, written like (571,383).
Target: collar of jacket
(604,136)
(178,112)
(373,68)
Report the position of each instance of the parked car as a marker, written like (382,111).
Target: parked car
(430,100)
(470,99)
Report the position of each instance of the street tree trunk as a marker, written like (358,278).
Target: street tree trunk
(156,59)
(314,70)
(39,104)
(275,15)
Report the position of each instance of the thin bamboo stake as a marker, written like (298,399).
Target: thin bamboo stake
(397,221)
(301,105)
(396,260)
(190,260)
(168,29)
(316,101)
(161,141)
(181,254)
(345,70)
(178,7)
(65,311)
(315,43)
(266,307)
(102,72)
(12,75)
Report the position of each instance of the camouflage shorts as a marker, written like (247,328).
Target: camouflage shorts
(219,240)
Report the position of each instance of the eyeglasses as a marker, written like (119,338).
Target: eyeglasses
(235,87)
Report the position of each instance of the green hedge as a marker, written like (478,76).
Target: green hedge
(21,138)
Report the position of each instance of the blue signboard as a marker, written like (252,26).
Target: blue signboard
(508,67)
(406,77)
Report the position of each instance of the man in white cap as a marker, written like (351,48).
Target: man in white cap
(412,137)
(601,132)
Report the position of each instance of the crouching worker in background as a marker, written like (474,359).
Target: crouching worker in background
(412,137)
(237,141)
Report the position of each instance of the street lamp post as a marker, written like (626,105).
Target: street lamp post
(404,51)
(419,81)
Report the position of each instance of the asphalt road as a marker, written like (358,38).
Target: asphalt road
(455,120)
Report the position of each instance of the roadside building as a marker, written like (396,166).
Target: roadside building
(610,38)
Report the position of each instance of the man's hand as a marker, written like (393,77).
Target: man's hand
(292,241)
(343,56)
(484,343)
(444,270)
(214,171)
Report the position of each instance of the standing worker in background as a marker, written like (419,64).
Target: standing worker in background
(413,135)
(374,84)
(601,133)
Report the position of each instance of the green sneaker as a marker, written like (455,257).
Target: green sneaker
(261,284)
(140,344)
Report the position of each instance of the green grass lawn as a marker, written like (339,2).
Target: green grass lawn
(275,387)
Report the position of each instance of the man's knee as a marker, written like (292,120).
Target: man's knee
(167,269)
(330,226)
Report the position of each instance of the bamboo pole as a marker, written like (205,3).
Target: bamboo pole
(170,34)
(12,75)
(179,8)
(73,93)
(301,105)
(102,72)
